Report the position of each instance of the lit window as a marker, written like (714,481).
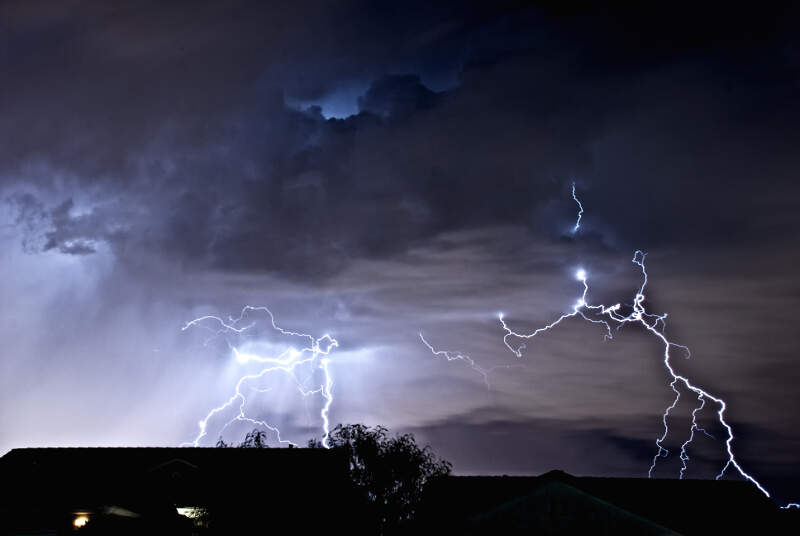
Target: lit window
(189,511)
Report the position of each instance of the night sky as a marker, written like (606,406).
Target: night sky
(375,170)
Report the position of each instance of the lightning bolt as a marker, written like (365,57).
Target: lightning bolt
(608,316)
(655,324)
(684,456)
(458,356)
(580,210)
(313,355)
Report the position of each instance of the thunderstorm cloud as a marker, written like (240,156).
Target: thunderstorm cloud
(374,172)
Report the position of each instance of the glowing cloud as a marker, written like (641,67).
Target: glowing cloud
(313,355)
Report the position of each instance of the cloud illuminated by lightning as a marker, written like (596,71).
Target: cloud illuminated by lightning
(312,356)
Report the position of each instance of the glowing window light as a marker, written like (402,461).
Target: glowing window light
(80,521)
(189,511)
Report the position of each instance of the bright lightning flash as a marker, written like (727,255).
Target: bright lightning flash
(656,325)
(313,355)
(580,210)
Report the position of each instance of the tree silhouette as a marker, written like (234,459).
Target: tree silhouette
(390,472)
(255,439)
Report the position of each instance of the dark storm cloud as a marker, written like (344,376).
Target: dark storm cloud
(162,161)
(397,97)
(515,444)
(184,114)
(525,445)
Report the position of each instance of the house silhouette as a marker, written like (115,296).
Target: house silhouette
(139,490)
(559,503)
(308,491)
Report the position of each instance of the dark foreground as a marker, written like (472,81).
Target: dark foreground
(304,491)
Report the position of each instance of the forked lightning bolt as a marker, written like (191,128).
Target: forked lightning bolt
(458,356)
(608,316)
(655,324)
(313,354)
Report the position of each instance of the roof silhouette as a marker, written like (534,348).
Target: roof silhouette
(559,503)
(307,490)
(43,487)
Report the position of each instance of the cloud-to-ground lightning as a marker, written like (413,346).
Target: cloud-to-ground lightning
(608,316)
(314,355)
(580,210)
(655,324)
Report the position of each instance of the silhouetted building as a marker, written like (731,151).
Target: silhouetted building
(559,503)
(308,491)
(139,490)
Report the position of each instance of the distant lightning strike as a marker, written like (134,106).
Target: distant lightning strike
(458,356)
(684,456)
(580,210)
(314,354)
(655,324)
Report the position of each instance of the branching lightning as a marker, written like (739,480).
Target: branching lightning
(313,355)
(458,356)
(656,325)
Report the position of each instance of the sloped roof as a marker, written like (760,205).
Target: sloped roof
(556,507)
(243,489)
(182,475)
(684,506)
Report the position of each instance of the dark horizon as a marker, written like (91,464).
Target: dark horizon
(373,172)
(135,490)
